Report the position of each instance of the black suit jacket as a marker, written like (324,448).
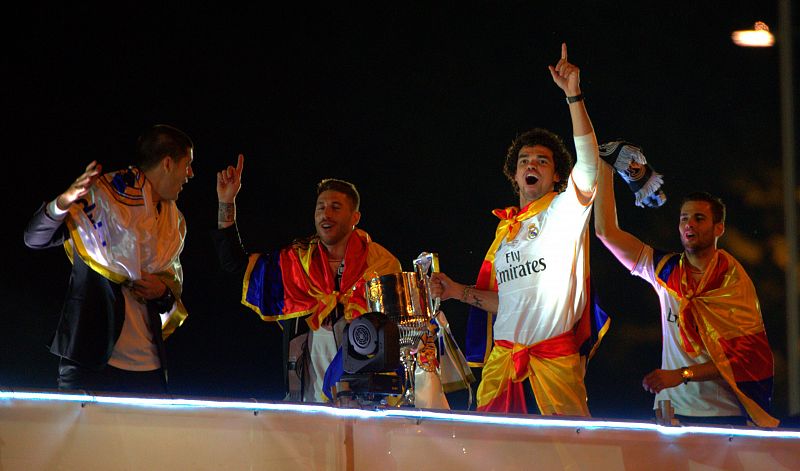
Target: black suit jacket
(94,309)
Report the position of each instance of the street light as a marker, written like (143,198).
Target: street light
(759,36)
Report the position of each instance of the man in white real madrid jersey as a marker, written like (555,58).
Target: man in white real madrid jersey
(535,275)
(716,362)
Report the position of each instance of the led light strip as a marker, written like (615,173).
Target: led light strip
(414,414)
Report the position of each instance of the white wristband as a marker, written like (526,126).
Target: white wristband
(54,211)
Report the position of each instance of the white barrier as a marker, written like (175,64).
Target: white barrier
(50,430)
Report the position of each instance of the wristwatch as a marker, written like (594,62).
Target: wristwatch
(686,374)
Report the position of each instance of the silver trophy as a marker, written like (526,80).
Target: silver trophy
(405,298)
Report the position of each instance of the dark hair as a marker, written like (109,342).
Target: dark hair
(333,184)
(158,142)
(717,206)
(562,159)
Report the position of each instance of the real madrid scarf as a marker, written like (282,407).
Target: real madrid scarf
(631,164)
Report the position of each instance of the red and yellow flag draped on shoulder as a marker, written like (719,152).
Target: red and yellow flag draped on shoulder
(297,282)
(480,322)
(723,317)
(589,330)
(554,360)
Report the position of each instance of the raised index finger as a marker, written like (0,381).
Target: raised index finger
(564,51)
(240,164)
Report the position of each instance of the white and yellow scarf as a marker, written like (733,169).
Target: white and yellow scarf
(119,232)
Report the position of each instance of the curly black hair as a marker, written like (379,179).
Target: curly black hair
(562,159)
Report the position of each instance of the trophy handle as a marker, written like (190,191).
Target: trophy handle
(422,264)
(437,301)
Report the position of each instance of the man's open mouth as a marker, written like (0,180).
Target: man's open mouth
(531,179)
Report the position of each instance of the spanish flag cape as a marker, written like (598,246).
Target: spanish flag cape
(297,282)
(723,317)
(588,331)
(119,232)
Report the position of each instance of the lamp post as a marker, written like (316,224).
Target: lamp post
(760,36)
(789,202)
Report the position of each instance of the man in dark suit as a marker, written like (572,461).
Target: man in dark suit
(124,235)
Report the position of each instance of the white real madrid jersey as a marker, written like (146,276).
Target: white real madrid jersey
(696,398)
(542,274)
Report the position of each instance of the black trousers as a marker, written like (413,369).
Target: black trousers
(74,376)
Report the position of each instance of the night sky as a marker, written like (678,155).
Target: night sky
(415,104)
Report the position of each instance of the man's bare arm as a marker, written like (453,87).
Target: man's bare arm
(445,288)
(657,380)
(567,77)
(229,182)
(625,247)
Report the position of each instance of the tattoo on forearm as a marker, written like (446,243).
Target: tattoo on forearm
(469,296)
(226,213)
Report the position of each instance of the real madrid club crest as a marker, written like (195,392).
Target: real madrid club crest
(533,231)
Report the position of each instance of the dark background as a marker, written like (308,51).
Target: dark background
(416,104)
